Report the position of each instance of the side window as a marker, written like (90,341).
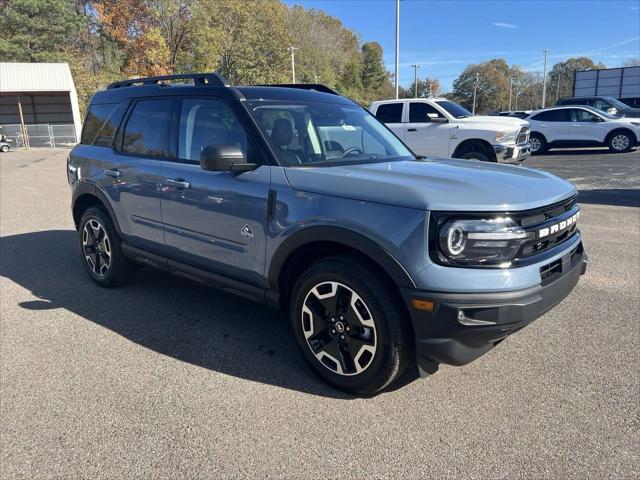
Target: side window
(579,115)
(419,112)
(553,116)
(602,105)
(101,124)
(389,112)
(148,128)
(205,122)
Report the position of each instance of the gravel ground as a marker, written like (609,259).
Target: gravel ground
(167,378)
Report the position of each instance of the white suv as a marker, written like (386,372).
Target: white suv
(581,127)
(437,127)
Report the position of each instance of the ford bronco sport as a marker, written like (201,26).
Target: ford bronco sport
(298,198)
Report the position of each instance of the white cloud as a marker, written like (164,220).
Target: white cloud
(504,25)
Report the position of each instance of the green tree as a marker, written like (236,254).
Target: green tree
(38,30)
(491,83)
(375,78)
(560,79)
(245,41)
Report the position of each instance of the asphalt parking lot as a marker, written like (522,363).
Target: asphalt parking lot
(168,378)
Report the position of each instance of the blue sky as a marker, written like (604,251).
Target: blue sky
(446,36)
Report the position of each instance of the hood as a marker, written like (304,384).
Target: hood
(504,123)
(436,184)
(629,119)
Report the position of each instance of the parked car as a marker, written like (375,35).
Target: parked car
(610,105)
(581,127)
(5,147)
(300,199)
(441,128)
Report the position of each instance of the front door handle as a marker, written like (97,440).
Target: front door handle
(575,126)
(177,182)
(115,173)
(412,129)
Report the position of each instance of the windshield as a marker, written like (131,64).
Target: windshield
(617,103)
(454,109)
(315,134)
(603,113)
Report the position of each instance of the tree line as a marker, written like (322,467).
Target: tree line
(247,41)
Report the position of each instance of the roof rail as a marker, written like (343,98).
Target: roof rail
(199,79)
(318,87)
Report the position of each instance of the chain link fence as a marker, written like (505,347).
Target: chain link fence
(41,135)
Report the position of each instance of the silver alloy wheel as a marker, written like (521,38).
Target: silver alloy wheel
(96,247)
(339,328)
(534,144)
(620,142)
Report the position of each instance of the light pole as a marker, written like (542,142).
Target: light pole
(475,90)
(544,79)
(517,93)
(415,80)
(510,88)
(317,78)
(558,87)
(397,42)
(293,63)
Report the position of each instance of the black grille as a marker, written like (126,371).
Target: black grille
(523,136)
(534,221)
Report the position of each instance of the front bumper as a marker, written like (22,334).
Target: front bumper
(461,327)
(512,154)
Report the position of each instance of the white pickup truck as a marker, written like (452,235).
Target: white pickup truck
(437,127)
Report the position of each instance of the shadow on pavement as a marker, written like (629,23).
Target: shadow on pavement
(585,151)
(167,314)
(619,197)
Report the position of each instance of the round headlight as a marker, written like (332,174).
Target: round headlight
(456,240)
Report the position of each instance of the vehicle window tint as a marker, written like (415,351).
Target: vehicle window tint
(579,115)
(148,128)
(602,105)
(101,124)
(553,116)
(207,122)
(389,113)
(419,112)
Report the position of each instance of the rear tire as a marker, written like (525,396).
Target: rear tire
(4,148)
(620,142)
(538,144)
(100,249)
(350,325)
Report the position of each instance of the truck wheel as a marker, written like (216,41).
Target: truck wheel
(349,325)
(620,142)
(475,156)
(538,144)
(100,249)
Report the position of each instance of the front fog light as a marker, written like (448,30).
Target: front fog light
(481,241)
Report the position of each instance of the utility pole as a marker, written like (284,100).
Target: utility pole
(544,79)
(415,80)
(475,90)
(558,87)
(293,63)
(397,42)
(517,93)
(317,78)
(510,88)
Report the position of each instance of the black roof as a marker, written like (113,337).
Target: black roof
(215,84)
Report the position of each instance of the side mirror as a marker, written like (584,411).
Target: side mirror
(224,158)
(612,110)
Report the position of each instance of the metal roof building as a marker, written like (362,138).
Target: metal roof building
(39,104)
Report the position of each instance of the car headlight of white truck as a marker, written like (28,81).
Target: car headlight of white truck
(507,136)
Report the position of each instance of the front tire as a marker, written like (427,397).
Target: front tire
(620,142)
(4,148)
(475,156)
(349,325)
(538,144)
(100,249)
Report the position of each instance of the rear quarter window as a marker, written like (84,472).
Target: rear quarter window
(389,113)
(102,123)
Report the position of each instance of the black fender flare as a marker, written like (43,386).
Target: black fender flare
(91,189)
(344,236)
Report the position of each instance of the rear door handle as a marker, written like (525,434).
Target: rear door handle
(115,173)
(412,129)
(177,182)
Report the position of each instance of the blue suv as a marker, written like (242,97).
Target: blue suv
(298,198)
